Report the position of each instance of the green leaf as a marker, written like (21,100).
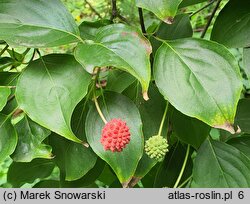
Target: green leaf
(181,28)
(32,23)
(151,113)
(117,106)
(21,173)
(8,139)
(242,118)
(5,62)
(89,29)
(170,168)
(107,176)
(30,138)
(219,165)
(118,81)
(186,3)
(163,9)
(232,26)
(4,94)
(74,160)
(8,78)
(50,88)
(189,130)
(89,178)
(246,61)
(117,45)
(47,184)
(242,144)
(192,74)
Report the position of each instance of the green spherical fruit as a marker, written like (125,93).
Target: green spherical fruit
(156,147)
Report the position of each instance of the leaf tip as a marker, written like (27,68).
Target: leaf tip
(85,144)
(145,96)
(125,184)
(228,127)
(169,20)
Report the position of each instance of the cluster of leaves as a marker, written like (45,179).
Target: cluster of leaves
(159,80)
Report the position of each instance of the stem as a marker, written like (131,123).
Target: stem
(95,99)
(143,29)
(163,120)
(202,8)
(99,110)
(25,52)
(210,19)
(93,9)
(182,168)
(184,182)
(4,49)
(114,10)
(33,55)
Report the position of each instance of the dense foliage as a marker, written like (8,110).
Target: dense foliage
(133,93)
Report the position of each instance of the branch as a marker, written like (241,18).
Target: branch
(93,9)
(210,19)
(142,21)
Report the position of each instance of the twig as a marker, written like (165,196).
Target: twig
(143,29)
(4,49)
(114,10)
(115,13)
(122,18)
(207,5)
(93,9)
(210,19)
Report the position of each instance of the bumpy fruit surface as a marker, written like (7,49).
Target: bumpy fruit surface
(156,147)
(115,135)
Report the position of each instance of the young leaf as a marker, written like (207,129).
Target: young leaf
(242,118)
(21,173)
(4,94)
(32,23)
(121,46)
(232,26)
(189,130)
(192,74)
(163,9)
(30,138)
(8,139)
(117,106)
(50,88)
(219,165)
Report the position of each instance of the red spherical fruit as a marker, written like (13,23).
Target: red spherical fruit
(115,135)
